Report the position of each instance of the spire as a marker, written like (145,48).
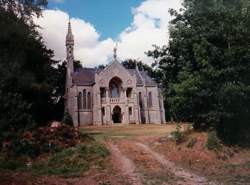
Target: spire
(115,52)
(69,37)
(69,28)
(70,48)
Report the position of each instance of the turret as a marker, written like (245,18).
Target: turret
(70,49)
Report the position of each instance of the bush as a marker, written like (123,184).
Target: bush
(43,140)
(177,135)
(24,147)
(73,161)
(213,142)
(67,119)
(10,164)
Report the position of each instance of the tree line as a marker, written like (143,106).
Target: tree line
(206,67)
(31,89)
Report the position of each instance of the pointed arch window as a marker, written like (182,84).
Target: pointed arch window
(150,101)
(79,100)
(84,101)
(140,100)
(89,100)
(114,90)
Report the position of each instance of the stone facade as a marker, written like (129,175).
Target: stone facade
(112,95)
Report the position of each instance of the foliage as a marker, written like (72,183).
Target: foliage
(75,160)
(31,89)
(10,164)
(205,68)
(67,119)
(42,140)
(77,65)
(213,142)
(67,162)
(177,135)
(24,9)
(131,64)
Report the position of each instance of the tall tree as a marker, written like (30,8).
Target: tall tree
(206,66)
(26,74)
(24,9)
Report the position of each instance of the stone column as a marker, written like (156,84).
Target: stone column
(136,109)
(126,112)
(146,108)
(99,108)
(107,95)
(108,114)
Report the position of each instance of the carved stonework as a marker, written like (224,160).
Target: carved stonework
(115,72)
(102,82)
(129,82)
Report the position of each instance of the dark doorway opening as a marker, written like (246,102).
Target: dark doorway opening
(117,117)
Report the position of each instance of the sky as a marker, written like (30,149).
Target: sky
(97,25)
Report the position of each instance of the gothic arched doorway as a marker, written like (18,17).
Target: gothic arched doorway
(117,115)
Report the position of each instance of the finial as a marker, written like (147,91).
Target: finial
(115,52)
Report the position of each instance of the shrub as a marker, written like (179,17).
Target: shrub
(213,142)
(24,147)
(73,161)
(10,164)
(177,135)
(67,119)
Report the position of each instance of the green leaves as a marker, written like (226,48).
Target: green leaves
(207,66)
(27,78)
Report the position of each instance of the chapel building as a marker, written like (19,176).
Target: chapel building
(113,95)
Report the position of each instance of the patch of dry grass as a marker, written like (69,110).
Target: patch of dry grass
(127,131)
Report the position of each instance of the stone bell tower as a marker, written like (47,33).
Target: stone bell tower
(70,67)
(70,49)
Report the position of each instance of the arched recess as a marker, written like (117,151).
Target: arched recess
(79,100)
(150,100)
(115,87)
(84,100)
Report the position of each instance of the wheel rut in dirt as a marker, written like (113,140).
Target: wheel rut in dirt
(124,165)
(189,178)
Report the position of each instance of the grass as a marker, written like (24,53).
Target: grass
(101,133)
(69,162)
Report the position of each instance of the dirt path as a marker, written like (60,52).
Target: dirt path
(139,164)
(124,165)
(189,178)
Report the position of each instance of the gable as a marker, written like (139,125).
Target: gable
(115,69)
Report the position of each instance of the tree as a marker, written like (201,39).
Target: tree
(24,9)
(131,64)
(26,75)
(206,66)
(77,65)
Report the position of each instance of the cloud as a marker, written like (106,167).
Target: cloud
(149,26)
(88,48)
(57,1)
